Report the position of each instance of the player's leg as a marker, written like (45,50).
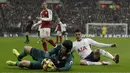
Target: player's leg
(109,55)
(44,45)
(103,34)
(43,40)
(93,59)
(48,38)
(66,36)
(27,37)
(45,35)
(85,62)
(11,63)
(25,63)
(57,35)
(25,52)
(50,41)
(60,36)
(39,39)
(61,39)
(63,35)
(36,54)
(116,58)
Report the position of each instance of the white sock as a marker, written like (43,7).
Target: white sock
(98,63)
(106,54)
(93,63)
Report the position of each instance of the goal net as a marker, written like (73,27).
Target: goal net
(113,29)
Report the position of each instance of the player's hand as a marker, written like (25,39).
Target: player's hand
(32,27)
(56,69)
(46,54)
(39,18)
(113,45)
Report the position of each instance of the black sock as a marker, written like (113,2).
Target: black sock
(23,54)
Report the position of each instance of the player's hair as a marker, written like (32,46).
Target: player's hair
(78,30)
(44,3)
(68,44)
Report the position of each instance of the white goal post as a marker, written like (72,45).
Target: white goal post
(112,28)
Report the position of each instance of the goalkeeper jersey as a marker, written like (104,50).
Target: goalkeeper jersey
(63,63)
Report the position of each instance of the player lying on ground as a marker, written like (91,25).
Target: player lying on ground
(89,57)
(60,55)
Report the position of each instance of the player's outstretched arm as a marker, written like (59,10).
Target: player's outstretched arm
(113,45)
(38,23)
(92,42)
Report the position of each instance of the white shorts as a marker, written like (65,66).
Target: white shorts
(45,32)
(59,33)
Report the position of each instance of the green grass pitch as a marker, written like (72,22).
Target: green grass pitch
(123,48)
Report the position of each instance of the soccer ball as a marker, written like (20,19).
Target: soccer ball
(48,65)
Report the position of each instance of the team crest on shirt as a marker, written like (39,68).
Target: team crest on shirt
(45,12)
(63,57)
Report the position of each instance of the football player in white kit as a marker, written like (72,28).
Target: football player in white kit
(89,57)
(64,32)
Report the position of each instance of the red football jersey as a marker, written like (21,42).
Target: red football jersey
(59,27)
(46,14)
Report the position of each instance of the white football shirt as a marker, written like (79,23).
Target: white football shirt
(83,48)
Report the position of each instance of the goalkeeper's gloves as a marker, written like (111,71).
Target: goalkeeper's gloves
(113,45)
(47,54)
(57,69)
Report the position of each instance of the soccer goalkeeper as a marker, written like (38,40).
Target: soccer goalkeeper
(104,31)
(60,56)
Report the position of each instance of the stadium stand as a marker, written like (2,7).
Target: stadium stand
(75,13)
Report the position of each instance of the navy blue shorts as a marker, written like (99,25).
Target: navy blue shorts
(37,54)
(91,58)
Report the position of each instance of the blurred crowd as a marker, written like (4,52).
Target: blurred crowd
(75,13)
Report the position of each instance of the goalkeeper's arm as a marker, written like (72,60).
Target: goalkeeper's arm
(67,66)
